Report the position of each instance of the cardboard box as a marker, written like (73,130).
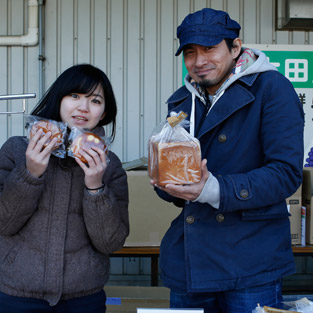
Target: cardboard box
(307,182)
(149,215)
(303,226)
(295,200)
(126,299)
(308,203)
(298,193)
(295,223)
(294,204)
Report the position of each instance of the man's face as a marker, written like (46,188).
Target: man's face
(210,66)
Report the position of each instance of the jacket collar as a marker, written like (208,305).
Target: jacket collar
(226,106)
(182,93)
(181,101)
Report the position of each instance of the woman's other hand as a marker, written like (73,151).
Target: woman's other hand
(96,167)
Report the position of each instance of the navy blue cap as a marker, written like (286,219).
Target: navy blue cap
(207,27)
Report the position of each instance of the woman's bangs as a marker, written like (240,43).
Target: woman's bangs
(86,86)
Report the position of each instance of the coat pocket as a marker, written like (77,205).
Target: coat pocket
(10,251)
(276,211)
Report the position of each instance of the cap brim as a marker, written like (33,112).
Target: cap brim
(206,42)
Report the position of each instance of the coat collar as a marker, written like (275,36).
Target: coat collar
(182,93)
(224,107)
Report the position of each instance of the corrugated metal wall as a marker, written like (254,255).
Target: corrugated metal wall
(133,41)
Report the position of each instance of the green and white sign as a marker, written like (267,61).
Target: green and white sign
(294,65)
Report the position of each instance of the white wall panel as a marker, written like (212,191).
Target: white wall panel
(100,29)
(67,29)
(266,17)
(149,81)
(133,41)
(85,31)
(133,76)
(234,8)
(166,50)
(249,31)
(17,67)
(217,5)
(117,70)
(282,38)
(52,41)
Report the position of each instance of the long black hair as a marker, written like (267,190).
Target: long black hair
(84,79)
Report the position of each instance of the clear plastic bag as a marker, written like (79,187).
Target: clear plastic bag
(84,138)
(58,130)
(303,305)
(258,309)
(174,156)
(267,309)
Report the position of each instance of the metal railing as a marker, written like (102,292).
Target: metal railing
(15,97)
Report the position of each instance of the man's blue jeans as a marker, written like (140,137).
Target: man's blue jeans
(233,301)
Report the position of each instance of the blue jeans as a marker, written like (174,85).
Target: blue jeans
(94,303)
(233,301)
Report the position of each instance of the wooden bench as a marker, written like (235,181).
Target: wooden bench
(151,252)
(154,252)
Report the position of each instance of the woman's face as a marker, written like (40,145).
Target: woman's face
(83,110)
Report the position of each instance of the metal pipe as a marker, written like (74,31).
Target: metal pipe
(17,96)
(41,56)
(31,37)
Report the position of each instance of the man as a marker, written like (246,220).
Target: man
(230,247)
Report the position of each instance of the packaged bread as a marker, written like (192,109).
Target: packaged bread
(174,156)
(80,139)
(57,129)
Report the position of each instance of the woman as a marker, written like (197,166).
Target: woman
(61,218)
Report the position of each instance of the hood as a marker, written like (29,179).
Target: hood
(251,61)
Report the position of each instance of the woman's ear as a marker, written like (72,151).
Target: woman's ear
(236,49)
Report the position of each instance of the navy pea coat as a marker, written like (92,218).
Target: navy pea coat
(253,142)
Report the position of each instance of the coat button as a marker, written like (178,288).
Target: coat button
(222,138)
(244,193)
(190,219)
(220,218)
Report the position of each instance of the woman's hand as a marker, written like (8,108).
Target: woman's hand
(38,153)
(96,167)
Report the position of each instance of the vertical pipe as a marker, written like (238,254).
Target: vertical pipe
(41,56)
(141,79)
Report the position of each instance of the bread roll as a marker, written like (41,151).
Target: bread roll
(48,126)
(175,162)
(87,140)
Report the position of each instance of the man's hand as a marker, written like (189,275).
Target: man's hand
(187,192)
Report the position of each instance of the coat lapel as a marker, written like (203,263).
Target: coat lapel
(234,98)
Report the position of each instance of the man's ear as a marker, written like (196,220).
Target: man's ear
(237,44)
